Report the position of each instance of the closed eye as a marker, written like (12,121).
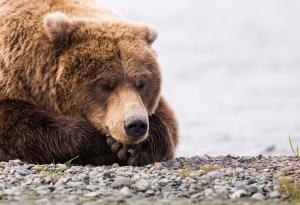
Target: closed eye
(107,86)
(141,85)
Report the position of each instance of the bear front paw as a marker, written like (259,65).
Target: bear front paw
(120,150)
(131,155)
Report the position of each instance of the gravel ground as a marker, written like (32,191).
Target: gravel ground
(192,180)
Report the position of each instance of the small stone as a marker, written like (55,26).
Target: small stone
(11,192)
(150,192)
(158,165)
(163,182)
(252,181)
(43,190)
(121,182)
(168,163)
(75,184)
(115,165)
(222,191)
(12,171)
(22,171)
(92,194)
(142,185)
(51,179)
(289,168)
(258,196)
(239,169)
(15,162)
(252,189)
(209,193)
(214,175)
(239,185)
(196,196)
(62,181)
(238,194)
(125,191)
(275,195)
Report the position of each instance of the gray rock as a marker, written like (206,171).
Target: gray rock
(196,196)
(75,184)
(214,175)
(222,191)
(252,189)
(93,194)
(239,169)
(238,194)
(258,196)
(209,193)
(275,195)
(142,185)
(239,185)
(22,171)
(150,192)
(121,182)
(125,191)
(11,192)
(163,182)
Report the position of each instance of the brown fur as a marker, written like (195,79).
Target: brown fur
(70,73)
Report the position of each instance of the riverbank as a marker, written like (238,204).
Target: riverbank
(196,180)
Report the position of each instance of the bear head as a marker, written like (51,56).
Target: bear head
(106,72)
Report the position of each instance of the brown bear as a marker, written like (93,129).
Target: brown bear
(79,80)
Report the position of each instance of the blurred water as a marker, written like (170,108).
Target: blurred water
(231,71)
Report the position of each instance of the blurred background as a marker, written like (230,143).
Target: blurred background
(231,71)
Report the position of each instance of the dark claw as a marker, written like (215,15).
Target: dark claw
(131,152)
(116,147)
(122,154)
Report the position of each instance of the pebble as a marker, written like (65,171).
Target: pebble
(125,191)
(209,193)
(252,189)
(51,179)
(22,171)
(214,175)
(121,181)
(239,170)
(275,195)
(258,196)
(142,185)
(92,194)
(238,194)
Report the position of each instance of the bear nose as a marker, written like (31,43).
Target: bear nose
(136,128)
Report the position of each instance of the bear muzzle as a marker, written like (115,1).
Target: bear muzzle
(136,127)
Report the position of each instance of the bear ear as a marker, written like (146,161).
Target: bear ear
(150,35)
(58,27)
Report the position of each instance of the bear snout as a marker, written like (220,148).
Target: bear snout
(136,127)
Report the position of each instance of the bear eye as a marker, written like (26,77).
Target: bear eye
(106,86)
(141,85)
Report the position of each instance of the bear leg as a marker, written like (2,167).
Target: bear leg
(35,136)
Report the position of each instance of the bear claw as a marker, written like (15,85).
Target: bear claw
(118,149)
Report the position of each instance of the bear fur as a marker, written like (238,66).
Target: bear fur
(71,74)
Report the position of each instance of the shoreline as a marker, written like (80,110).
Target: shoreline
(195,180)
